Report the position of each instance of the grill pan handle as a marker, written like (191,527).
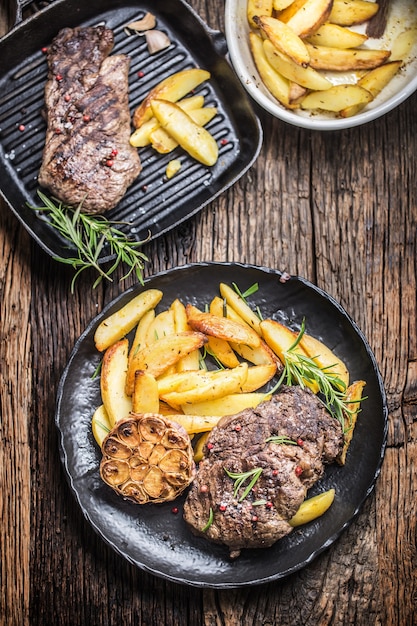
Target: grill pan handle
(18,6)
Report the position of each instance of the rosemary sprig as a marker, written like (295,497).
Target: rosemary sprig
(249,292)
(299,369)
(240,479)
(89,234)
(282,439)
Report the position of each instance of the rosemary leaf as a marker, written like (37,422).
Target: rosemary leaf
(240,479)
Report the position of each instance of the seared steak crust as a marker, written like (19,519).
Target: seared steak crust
(87,156)
(240,444)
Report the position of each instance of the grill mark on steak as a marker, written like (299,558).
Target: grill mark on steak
(88,121)
(239,444)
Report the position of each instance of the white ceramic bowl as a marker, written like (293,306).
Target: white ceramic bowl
(403,15)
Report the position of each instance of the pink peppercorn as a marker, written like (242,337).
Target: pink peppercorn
(238,428)
(300,442)
(141,74)
(203,489)
(86,118)
(254,518)
(58,77)
(22,128)
(174,510)
(44,50)
(224,142)
(298,470)
(114,152)
(109,163)
(210,446)
(222,507)
(269,505)
(275,472)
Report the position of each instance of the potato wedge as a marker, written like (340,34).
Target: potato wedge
(157,357)
(352,12)
(262,355)
(280,5)
(162,325)
(374,81)
(100,424)
(337,60)
(335,36)
(236,302)
(336,98)
(227,405)
(162,141)
(221,327)
(199,447)
(312,508)
(275,82)
(257,7)
(112,382)
(305,76)
(194,424)
(353,398)
(325,358)
(145,397)
(283,38)
(222,352)
(310,17)
(221,383)
(194,139)
(125,319)
(290,10)
(280,339)
(141,137)
(172,88)
(403,44)
(258,376)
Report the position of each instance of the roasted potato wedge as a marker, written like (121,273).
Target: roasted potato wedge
(280,339)
(199,447)
(280,5)
(403,45)
(194,139)
(221,327)
(374,81)
(141,137)
(157,357)
(290,10)
(353,399)
(275,82)
(352,12)
(258,7)
(336,98)
(283,38)
(312,508)
(145,397)
(120,323)
(238,304)
(162,141)
(307,77)
(258,376)
(194,424)
(221,350)
(310,17)
(262,355)
(335,36)
(221,383)
(112,382)
(172,88)
(325,358)
(100,424)
(227,405)
(339,60)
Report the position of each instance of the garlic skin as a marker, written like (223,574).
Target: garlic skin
(156,41)
(148,22)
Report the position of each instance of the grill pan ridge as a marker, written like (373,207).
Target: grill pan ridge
(153,204)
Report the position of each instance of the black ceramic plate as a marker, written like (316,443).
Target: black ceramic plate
(151,536)
(152,204)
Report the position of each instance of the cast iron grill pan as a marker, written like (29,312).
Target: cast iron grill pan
(153,204)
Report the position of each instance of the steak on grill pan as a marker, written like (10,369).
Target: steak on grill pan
(87,158)
(239,444)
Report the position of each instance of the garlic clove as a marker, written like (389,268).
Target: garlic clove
(146,23)
(156,41)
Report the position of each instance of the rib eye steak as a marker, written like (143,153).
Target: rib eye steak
(254,441)
(87,158)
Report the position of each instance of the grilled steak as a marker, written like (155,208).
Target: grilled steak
(239,444)
(87,156)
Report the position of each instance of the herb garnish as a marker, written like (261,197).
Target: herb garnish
(242,478)
(209,522)
(249,292)
(282,439)
(299,369)
(89,234)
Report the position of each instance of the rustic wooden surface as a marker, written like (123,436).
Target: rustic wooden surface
(337,208)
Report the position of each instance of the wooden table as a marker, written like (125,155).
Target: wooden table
(339,208)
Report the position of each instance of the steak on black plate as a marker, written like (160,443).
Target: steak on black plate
(242,444)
